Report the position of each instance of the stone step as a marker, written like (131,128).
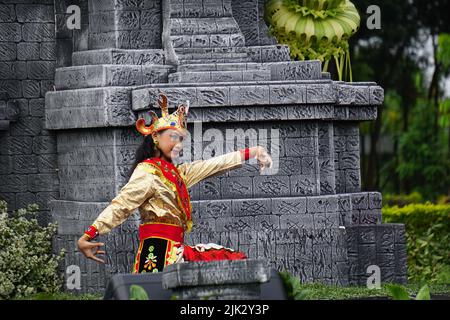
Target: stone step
(107,75)
(254,93)
(189,26)
(220,76)
(211,55)
(272,53)
(208,40)
(321,211)
(88,108)
(284,70)
(217,60)
(118,56)
(110,106)
(217,280)
(219,66)
(204,9)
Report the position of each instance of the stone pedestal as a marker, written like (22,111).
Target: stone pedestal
(217,280)
(307,215)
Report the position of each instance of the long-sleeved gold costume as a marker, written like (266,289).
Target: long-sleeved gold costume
(157,202)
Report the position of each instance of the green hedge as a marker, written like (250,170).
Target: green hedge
(27,263)
(428,239)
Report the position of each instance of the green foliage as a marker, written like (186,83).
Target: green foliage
(293,287)
(424,293)
(61,296)
(428,239)
(318,291)
(27,264)
(444,110)
(138,293)
(402,199)
(443,53)
(315,30)
(423,158)
(398,292)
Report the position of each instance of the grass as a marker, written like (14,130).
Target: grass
(312,291)
(318,291)
(62,296)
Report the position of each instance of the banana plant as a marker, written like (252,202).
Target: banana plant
(315,30)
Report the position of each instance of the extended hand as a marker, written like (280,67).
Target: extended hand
(86,248)
(264,159)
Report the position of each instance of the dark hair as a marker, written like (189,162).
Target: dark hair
(144,151)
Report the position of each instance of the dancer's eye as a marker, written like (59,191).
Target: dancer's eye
(176,137)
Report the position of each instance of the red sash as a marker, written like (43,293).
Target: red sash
(172,178)
(161,230)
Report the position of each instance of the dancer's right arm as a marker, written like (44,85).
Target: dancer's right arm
(139,188)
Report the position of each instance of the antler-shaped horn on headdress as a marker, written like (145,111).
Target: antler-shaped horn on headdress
(142,128)
(162,101)
(176,120)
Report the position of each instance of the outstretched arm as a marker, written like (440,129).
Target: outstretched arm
(139,188)
(198,170)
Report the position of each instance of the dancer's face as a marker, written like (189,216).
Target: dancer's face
(170,142)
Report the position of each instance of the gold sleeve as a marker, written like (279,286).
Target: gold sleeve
(140,187)
(198,170)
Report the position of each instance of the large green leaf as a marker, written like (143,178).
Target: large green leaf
(138,293)
(424,293)
(398,292)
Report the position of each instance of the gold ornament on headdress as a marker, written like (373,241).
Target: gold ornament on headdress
(176,120)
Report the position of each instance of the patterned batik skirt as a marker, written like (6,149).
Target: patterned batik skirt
(162,244)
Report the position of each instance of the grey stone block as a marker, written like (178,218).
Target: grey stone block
(23,199)
(17,145)
(235,188)
(7,13)
(303,185)
(215,273)
(14,183)
(8,51)
(6,164)
(376,95)
(360,200)
(289,206)
(264,186)
(114,100)
(322,204)
(37,32)
(284,94)
(236,224)
(41,69)
(25,164)
(249,94)
(27,126)
(297,221)
(215,208)
(13,70)
(43,182)
(118,56)
(31,88)
(35,13)
(295,70)
(47,163)
(11,32)
(249,207)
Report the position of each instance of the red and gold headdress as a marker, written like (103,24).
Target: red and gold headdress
(176,120)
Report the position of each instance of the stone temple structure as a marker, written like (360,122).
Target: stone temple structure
(308,215)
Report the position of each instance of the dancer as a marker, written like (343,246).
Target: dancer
(159,188)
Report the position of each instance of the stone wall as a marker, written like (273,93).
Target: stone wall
(28,171)
(309,217)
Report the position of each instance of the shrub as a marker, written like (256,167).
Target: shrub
(428,239)
(402,199)
(27,264)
